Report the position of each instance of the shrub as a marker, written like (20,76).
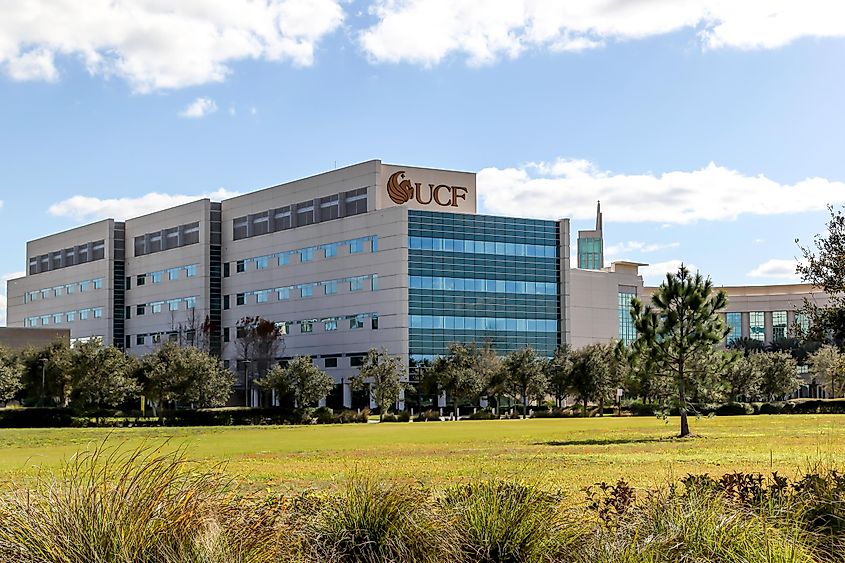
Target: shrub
(483,414)
(142,506)
(641,409)
(402,416)
(428,416)
(734,409)
(369,521)
(496,521)
(36,417)
(772,408)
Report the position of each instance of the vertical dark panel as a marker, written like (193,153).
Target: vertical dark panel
(215,314)
(119,286)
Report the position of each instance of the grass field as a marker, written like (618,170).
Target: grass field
(561,453)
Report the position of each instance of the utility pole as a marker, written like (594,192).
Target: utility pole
(43,378)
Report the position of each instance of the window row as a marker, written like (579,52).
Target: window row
(72,256)
(356,359)
(170,274)
(156,307)
(482,247)
(329,250)
(317,210)
(65,317)
(483,323)
(329,287)
(328,324)
(166,239)
(482,285)
(757,325)
(60,290)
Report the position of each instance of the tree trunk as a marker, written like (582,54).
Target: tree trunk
(601,406)
(455,409)
(525,403)
(585,408)
(682,407)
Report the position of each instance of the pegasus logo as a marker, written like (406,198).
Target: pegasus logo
(400,190)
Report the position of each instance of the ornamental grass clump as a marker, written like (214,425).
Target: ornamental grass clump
(141,506)
(370,522)
(503,522)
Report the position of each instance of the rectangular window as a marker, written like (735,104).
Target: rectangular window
(71,316)
(190,302)
(98,312)
(281,218)
(778,324)
(262,296)
(173,304)
(239,228)
(306,290)
(330,363)
(156,277)
(140,310)
(356,361)
(98,283)
(156,338)
(260,224)
(156,307)
(330,287)
(84,314)
(140,246)
(306,326)
(127,341)
(262,262)
(33,266)
(127,312)
(140,339)
(329,208)
(45,294)
(374,322)
(154,244)
(757,325)
(330,324)
(84,286)
(802,321)
(128,282)
(226,336)
(58,318)
(45,320)
(356,322)
(225,269)
(357,283)
(57,292)
(240,266)
(357,245)
(304,213)
(282,293)
(627,331)
(98,251)
(141,279)
(190,233)
(330,250)
(173,274)
(306,254)
(171,238)
(283,327)
(33,295)
(225,302)
(191,271)
(240,299)
(355,202)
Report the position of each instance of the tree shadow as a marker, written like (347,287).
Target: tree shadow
(601,441)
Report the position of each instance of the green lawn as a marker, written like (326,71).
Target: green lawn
(566,453)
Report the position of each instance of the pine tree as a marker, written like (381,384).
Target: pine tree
(678,333)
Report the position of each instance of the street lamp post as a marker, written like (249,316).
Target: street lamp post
(43,378)
(246,382)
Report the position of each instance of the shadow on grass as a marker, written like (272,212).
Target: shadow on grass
(601,441)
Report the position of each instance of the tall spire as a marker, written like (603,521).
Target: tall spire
(598,217)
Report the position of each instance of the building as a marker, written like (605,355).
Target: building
(368,256)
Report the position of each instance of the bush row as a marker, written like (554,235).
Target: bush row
(153,507)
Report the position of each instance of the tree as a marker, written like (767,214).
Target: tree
(828,365)
(383,374)
(53,363)
(678,333)
(558,372)
(589,370)
(455,373)
(488,365)
(11,376)
(778,374)
(742,378)
(257,341)
(822,267)
(173,374)
(304,382)
(524,375)
(101,377)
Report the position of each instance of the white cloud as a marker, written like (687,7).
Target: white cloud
(199,108)
(3,302)
(654,274)
(638,247)
(570,188)
(426,31)
(776,269)
(85,208)
(155,44)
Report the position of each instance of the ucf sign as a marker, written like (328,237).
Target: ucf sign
(400,190)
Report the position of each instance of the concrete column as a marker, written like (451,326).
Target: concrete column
(441,399)
(401,405)
(347,395)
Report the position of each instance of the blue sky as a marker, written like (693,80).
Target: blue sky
(712,133)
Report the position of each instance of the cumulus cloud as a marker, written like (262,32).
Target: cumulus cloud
(636,246)
(85,208)
(776,269)
(427,31)
(3,302)
(654,274)
(160,45)
(570,188)
(200,108)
